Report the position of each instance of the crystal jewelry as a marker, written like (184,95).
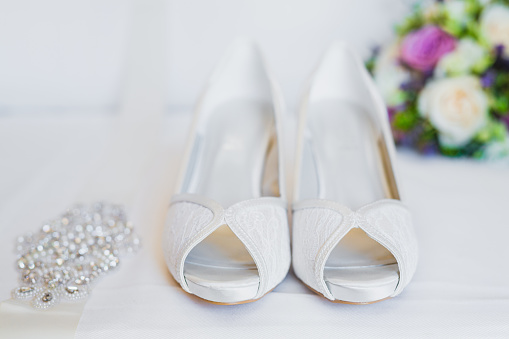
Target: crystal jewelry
(63,261)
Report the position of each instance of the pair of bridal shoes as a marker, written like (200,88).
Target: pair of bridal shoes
(227,239)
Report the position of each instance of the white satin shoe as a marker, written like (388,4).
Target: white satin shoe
(226,238)
(353,239)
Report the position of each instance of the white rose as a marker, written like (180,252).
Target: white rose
(389,75)
(457,107)
(495,25)
(460,61)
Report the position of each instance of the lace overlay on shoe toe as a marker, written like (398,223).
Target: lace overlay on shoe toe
(260,224)
(319,225)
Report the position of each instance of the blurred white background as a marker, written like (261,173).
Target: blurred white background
(58,56)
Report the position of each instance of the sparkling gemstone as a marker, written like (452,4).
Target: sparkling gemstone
(22,263)
(53,283)
(71,289)
(47,297)
(25,289)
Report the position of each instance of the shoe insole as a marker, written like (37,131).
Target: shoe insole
(342,143)
(229,169)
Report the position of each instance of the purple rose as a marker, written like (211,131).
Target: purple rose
(421,49)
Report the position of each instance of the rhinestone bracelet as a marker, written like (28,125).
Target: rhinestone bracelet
(65,258)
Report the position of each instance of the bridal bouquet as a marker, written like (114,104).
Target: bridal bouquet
(445,79)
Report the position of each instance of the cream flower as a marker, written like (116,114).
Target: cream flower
(457,107)
(495,25)
(461,61)
(389,75)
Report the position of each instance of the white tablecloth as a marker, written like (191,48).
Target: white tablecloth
(461,288)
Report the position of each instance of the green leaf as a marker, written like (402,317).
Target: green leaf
(405,120)
(499,103)
(493,131)
(473,30)
(450,152)
(411,23)
(453,28)
(473,7)
(483,64)
(370,64)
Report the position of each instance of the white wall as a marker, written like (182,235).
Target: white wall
(61,53)
(58,54)
(293,34)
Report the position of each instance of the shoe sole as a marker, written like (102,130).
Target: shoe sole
(228,304)
(347,302)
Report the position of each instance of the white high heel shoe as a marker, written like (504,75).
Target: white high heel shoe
(226,239)
(353,239)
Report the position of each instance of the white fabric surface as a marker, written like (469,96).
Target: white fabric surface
(460,288)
